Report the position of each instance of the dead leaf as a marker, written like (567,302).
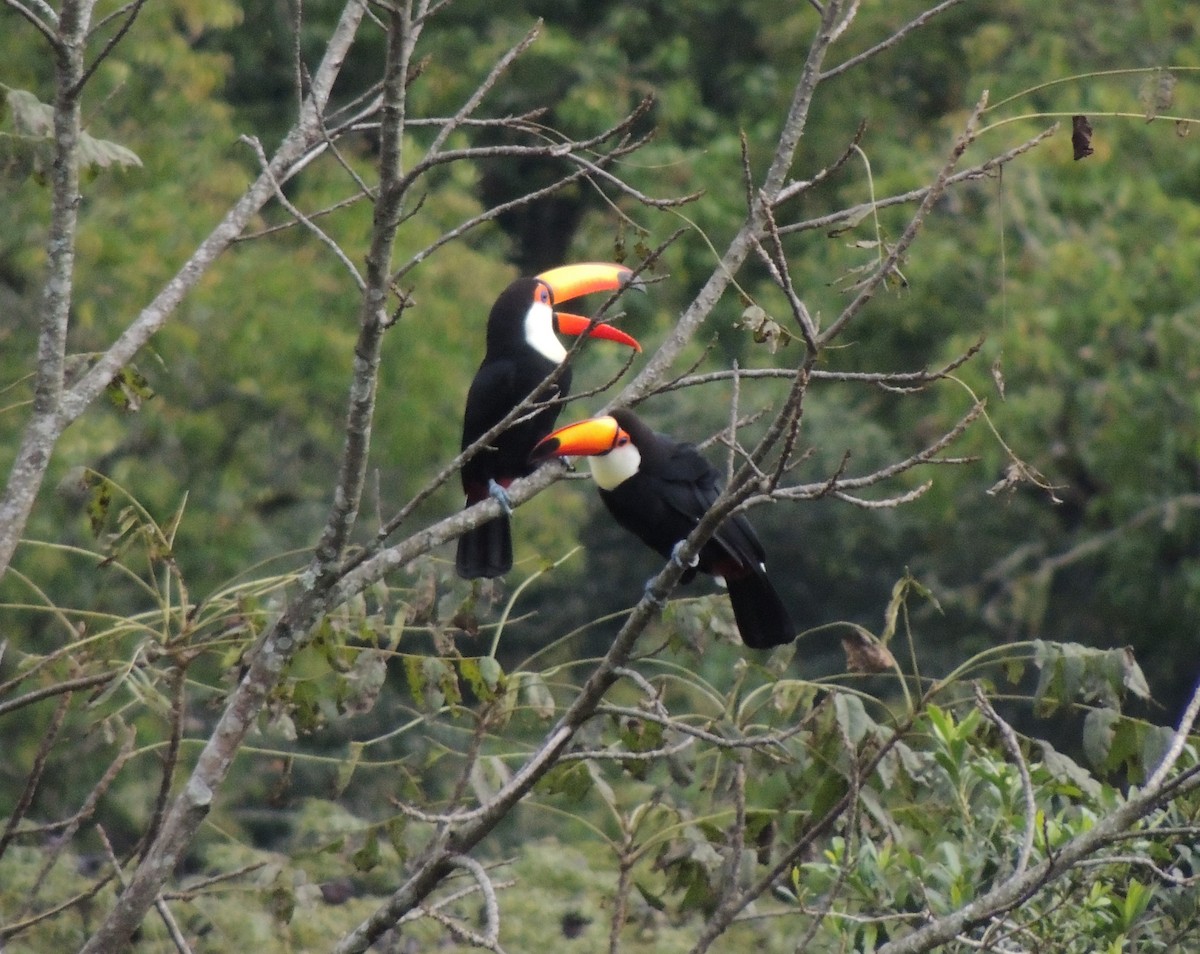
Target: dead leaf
(1081,137)
(864,654)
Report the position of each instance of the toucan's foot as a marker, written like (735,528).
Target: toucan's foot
(654,599)
(501,496)
(675,551)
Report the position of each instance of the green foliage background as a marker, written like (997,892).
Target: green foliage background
(1081,275)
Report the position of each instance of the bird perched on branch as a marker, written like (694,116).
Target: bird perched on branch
(659,489)
(522,350)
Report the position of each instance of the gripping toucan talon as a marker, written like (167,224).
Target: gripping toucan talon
(501,497)
(653,598)
(675,551)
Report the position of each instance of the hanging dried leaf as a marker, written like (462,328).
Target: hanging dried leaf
(864,654)
(1081,137)
(1012,478)
(1157,93)
(998,377)
(765,329)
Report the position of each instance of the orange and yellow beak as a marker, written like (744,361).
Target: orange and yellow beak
(590,438)
(572,281)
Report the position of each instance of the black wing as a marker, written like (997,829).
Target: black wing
(499,386)
(693,486)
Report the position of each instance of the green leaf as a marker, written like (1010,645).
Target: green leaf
(1067,769)
(484,675)
(30,116)
(31,150)
(1133,678)
(1049,693)
(571,779)
(99,501)
(638,735)
(358,690)
(1137,899)
(1156,740)
(22,157)
(102,153)
(128,389)
(852,717)
(537,695)
(414,671)
(281,897)
(788,695)
(441,673)
(368,856)
(345,769)
(396,828)
(492,673)
(1099,728)
(654,900)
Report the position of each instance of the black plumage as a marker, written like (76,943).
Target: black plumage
(512,368)
(658,489)
(522,350)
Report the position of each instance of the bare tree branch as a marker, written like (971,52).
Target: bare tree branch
(54,407)
(914,24)
(856,213)
(743,243)
(47,30)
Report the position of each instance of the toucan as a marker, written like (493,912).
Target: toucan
(658,489)
(522,350)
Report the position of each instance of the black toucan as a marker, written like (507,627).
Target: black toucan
(658,489)
(522,349)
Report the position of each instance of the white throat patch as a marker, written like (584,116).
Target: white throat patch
(617,466)
(539,333)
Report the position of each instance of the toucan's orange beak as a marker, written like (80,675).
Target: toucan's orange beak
(572,281)
(570,324)
(583,278)
(597,435)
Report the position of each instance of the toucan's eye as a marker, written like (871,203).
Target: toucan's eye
(622,440)
(543,295)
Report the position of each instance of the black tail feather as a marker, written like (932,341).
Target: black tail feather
(761,617)
(485,551)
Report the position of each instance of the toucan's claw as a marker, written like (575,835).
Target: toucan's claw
(675,551)
(653,598)
(501,496)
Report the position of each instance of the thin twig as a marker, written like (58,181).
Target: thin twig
(856,213)
(86,811)
(170,758)
(794,189)
(915,224)
(134,9)
(1013,748)
(891,41)
(46,31)
(308,223)
(49,737)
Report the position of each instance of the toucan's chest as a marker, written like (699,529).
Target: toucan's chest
(649,508)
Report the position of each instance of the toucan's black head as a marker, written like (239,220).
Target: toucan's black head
(523,316)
